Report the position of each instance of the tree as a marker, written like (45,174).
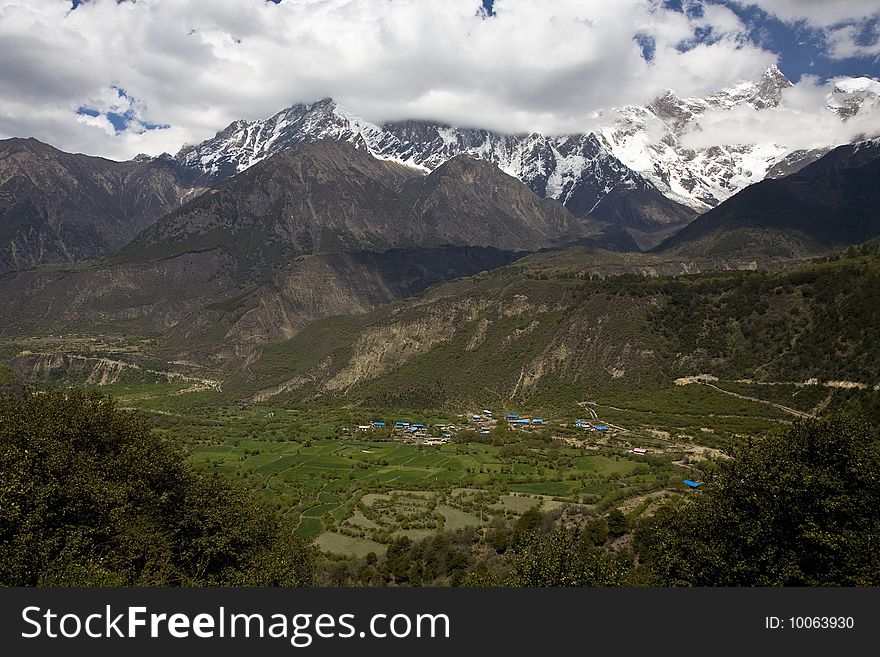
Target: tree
(596,531)
(557,558)
(617,525)
(799,508)
(89,495)
(398,557)
(529,521)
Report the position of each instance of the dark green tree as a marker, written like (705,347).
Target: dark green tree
(559,558)
(90,495)
(799,508)
(617,525)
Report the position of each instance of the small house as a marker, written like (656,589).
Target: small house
(690,484)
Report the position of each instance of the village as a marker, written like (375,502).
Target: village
(482,422)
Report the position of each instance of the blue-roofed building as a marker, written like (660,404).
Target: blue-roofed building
(601,427)
(520,421)
(378,424)
(691,484)
(401,424)
(580,423)
(512,416)
(419,426)
(537,421)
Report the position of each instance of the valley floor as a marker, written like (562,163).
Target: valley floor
(354,491)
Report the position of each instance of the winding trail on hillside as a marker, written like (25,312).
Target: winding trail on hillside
(787,409)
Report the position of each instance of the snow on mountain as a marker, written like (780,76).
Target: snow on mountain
(651,140)
(852,95)
(577,170)
(639,149)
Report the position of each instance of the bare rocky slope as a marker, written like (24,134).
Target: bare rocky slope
(544,332)
(63,207)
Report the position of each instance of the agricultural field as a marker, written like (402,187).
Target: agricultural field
(355,492)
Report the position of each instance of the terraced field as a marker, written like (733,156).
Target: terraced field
(352,495)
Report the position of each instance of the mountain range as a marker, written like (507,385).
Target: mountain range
(329,196)
(268,239)
(636,176)
(637,149)
(576,170)
(318,229)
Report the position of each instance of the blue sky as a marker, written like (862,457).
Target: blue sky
(118,77)
(802,47)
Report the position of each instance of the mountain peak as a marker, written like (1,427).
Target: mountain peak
(326,104)
(776,74)
(859,85)
(770,87)
(466,162)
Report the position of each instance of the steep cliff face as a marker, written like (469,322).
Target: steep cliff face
(57,207)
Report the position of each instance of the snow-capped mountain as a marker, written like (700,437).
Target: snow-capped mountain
(637,170)
(652,140)
(577,170)
(853,95)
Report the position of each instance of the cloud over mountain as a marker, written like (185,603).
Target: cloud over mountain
(119,78)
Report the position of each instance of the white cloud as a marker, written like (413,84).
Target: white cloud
(821,13)
(844,42)
(802,120)
(197,66)
(842,22)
